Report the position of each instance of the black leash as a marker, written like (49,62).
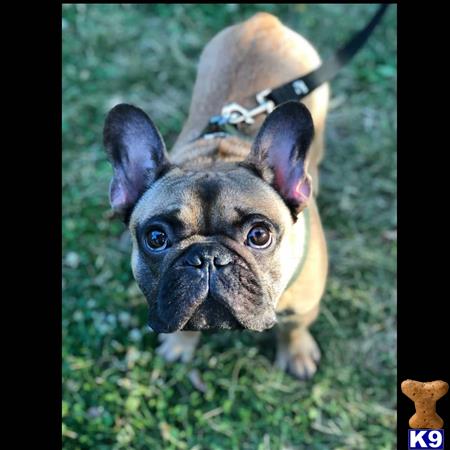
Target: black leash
(234,114)
(301,87)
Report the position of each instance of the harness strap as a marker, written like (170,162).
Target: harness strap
(301,263)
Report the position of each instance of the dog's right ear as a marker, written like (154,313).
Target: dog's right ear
(282,146)
(137,153)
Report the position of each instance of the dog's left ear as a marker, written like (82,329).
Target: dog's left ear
(137,153)
(282,146)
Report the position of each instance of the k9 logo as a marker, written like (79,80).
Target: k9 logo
(426,439)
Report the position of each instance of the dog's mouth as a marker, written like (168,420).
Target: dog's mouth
(225,299)
(212,315)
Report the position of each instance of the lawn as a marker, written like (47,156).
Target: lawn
(117,393)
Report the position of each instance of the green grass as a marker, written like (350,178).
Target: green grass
(117,394)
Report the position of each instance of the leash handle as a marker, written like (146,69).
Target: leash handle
(301,87)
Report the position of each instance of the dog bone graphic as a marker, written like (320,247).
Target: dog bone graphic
(425,396)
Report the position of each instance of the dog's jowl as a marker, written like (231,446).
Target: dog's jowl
(225,228)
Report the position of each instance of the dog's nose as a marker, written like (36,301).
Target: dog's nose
(200,256)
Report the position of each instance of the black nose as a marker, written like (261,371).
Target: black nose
(201,255)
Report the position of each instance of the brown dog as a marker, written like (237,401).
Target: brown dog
(226,232)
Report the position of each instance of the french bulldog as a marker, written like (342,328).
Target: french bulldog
(225,230)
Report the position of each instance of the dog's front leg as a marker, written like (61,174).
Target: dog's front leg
(297,350)
(178,346)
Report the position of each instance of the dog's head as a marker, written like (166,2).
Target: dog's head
(213,247)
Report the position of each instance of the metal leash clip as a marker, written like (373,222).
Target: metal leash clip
(234,113)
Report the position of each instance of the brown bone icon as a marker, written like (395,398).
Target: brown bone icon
(425,396)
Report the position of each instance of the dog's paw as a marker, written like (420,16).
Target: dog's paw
(299,357)
(178,346)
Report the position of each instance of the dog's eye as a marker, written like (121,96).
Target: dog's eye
(156,240)
(259,237)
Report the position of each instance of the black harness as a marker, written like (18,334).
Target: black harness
(233,114)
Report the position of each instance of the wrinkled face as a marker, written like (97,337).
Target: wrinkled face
(207,250)
(213,248)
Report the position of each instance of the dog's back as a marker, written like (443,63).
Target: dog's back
(245,59)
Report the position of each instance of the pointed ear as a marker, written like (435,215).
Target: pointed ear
(280,150)
(137,153)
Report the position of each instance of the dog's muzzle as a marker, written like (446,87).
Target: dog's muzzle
(209,287)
